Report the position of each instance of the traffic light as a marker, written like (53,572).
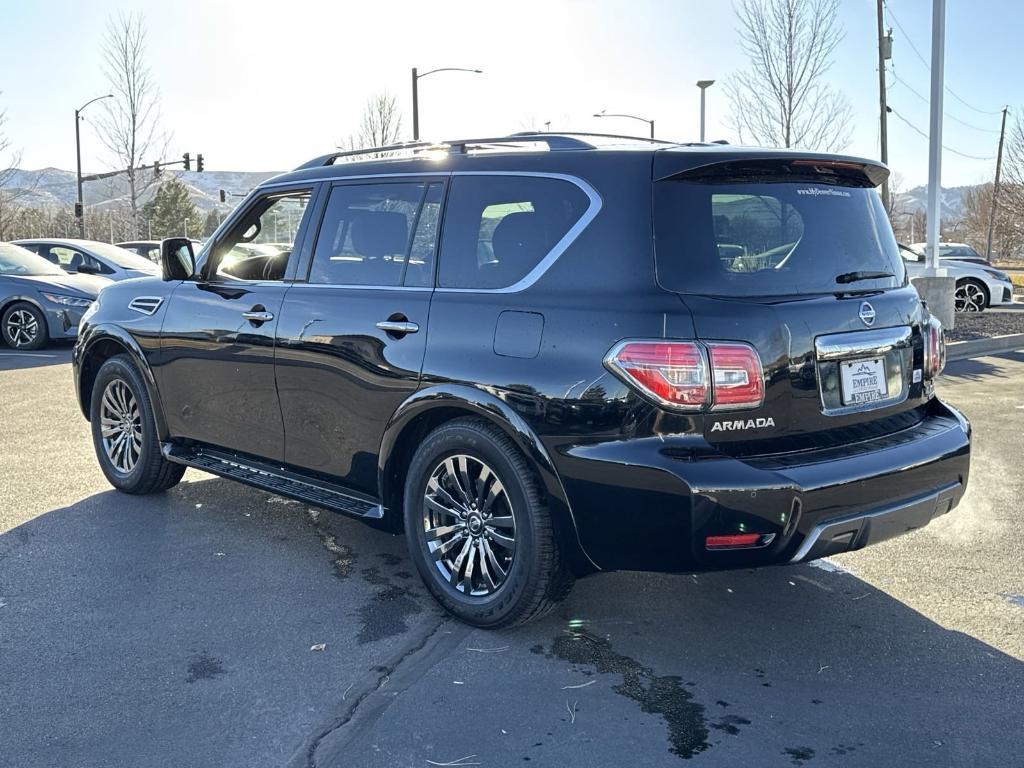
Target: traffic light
(188,161)
(156,169)
(199,163)
(223,196)
(78,207)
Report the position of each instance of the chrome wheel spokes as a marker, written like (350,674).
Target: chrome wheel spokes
(469,525)
(120,426)
(969,298)
(22,328)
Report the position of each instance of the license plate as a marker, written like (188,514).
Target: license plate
(863,381)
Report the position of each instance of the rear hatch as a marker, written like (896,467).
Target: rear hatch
(794,256)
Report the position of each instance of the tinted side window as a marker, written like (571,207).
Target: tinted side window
(378,234)
(498,228)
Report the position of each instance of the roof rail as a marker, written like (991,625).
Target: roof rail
(561,141)
(555,141)
(329,158)
(644,139)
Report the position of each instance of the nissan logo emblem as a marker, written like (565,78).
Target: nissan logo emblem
(867,313)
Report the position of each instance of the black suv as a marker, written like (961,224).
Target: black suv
(542,356)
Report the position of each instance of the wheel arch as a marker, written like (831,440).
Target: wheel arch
(427,409)
(99,345)
(26,299)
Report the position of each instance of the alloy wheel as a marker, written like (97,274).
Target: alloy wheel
(22,328)
(469,525)
(969,297)
(121,426)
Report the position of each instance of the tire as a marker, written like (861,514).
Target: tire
(536,574)
(971,296)
(120,405)
(24,327)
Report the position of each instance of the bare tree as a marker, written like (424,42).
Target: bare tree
(380,126)
(782,99)
(9,195)
(130,127)
(896,210)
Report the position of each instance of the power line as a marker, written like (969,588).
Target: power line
(954,118)
(948,149)
(913,47)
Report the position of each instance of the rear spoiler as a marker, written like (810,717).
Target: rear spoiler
(749,167)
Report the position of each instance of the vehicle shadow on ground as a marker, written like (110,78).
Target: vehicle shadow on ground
(771,667)
(55,353)
(974,369)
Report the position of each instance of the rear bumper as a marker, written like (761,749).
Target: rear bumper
(859,530)
(646,505)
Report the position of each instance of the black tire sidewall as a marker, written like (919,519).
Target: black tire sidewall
(120,368)
(520,583)
(41,337)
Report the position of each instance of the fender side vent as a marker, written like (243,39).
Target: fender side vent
(147,305)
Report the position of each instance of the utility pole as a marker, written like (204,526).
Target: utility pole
(884,52)
(995,189)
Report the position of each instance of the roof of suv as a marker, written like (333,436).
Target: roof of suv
(535,151)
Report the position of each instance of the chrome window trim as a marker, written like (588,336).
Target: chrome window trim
(531,277)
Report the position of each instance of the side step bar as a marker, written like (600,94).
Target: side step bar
(275,479)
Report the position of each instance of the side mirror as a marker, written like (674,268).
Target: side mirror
(177,260)
(87,269)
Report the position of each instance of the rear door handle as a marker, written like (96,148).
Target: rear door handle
(254,316)
(398,326)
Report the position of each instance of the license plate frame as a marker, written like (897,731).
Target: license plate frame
(863,381)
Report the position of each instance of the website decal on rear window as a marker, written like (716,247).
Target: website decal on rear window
(826,191)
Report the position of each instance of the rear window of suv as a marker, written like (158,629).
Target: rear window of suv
(771,238)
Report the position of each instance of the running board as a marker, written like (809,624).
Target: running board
(275,479)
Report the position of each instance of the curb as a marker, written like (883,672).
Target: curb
(964,350)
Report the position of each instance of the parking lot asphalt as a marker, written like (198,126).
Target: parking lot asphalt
(217,625)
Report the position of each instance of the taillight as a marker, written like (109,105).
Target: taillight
(674,373)
(739,382)
(691,376)
(934,349)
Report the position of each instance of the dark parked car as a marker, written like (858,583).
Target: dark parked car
(38,301)
(543,356)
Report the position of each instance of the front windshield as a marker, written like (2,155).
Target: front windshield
(16,261)
(122,257)
(768,238)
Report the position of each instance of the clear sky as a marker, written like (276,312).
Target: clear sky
(267,84)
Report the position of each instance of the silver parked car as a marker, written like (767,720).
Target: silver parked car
(91,258)
(40,301)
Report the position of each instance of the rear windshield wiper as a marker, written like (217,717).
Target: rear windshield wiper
(853,277)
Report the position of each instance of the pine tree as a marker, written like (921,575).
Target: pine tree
(211,223)
(171,213)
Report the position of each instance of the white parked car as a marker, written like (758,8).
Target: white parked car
(91,258)
(978,285)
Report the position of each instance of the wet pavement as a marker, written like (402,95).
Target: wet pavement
(217,625)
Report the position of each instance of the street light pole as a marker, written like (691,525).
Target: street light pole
(631,117)
(415,106)
(703,85)
(80,212)
(416,95)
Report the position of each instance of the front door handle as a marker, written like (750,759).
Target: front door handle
(258,316)
(399,327)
